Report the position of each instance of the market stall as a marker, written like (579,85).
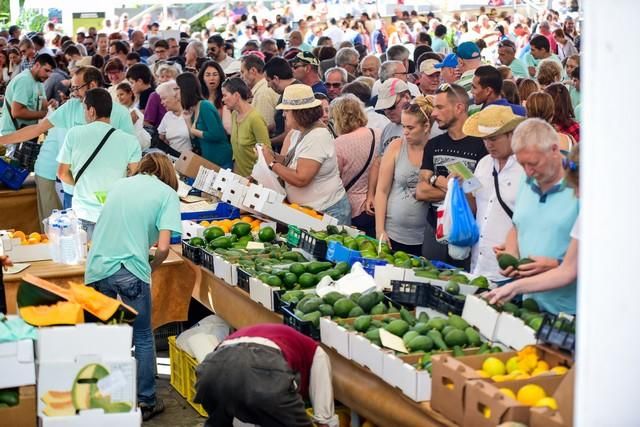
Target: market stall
(19,209)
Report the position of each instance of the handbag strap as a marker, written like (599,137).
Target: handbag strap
(506,208)
(366,165)
(93,155)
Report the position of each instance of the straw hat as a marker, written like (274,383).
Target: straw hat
(492,121)
(298,97)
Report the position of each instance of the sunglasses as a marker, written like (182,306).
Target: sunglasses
(76,88)
(570,165)
(333,85)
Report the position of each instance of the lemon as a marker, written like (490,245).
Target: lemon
(482,374)
(539,371)
(542,365)
(531,394)
(205,223)
(512,364)
(493,366)
(548,402)
(486,412)
(522,377)
(501,378)
(508,392)
(559,370)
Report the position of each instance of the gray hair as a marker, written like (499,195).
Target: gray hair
(343,73)
(398,53)
(168,88)
(534,132)
(163,67)
(198,47)
(388,69)
(347,55)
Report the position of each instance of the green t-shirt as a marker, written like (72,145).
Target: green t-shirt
(46,165)
(136,210)
(25,90)
(518,69)
(245,134)
(71,114)
(109,165)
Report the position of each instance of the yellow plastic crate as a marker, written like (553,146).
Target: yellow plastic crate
(183,374)
(178,379)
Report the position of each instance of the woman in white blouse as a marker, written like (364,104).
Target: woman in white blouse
(173,129)
(127,98)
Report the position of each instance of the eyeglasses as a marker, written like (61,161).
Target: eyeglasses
(76,88)
(298,65)
(333,85)
(401,73)
(570,165)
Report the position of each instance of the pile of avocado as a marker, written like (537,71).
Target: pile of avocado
(424,334)
(298,275)
(452,276)
(311,307)
(215,238)
(529,313)
(368,247)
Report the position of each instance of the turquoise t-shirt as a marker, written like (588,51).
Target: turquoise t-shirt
(518,69)
(71,114)
(575,96)
(439,45)
(136,210)
(46,165)
(25,90)
(543,223)
(533,62)
(109,165)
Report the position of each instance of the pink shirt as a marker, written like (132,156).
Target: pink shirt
(352,150)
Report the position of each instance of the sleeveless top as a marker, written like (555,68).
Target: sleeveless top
(406,217)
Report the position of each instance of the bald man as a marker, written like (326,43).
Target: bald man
(370,67)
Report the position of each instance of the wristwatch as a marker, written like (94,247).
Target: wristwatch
(433,180)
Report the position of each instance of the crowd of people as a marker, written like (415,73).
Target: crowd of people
(358,117)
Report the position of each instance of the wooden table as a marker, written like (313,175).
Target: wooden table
(353,385)
(19,208)
(170,291)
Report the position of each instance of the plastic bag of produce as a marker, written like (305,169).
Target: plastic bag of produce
(265,176)
(464,230)
(443,221)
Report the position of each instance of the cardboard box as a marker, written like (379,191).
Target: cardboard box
(225,270)
(366,354)
(17,364)
(513,332)
(95,418)
(335,336)
(477,312)
(563,417)
(450,377)
(482,394)
(23,253)
(69,357)
(188,164)
(24,414)
(384,274)
(235,193)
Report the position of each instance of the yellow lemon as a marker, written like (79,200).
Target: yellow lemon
(560,370)
(538,371)
(548,402)
(493,366)
(501,378)
(486,412)
(205,223)
(35,236)
(542,365)
(530,394)
(522,377)
(19,235)
(512,364)
(508,392)
(482,374)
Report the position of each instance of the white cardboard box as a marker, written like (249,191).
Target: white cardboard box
(478,313)
(191,229)
(65,351)
(224,178)
(366,354)
(261,293)
(414,383)
(335,336)
(384,274)
(23,253)
(95,418)
(225,270)
(234,193)
(513,332)
(17,364)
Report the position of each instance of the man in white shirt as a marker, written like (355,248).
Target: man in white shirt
(500,176)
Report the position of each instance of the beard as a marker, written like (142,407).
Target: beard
(445,125)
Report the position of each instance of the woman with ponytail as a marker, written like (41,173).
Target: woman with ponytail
(140,211)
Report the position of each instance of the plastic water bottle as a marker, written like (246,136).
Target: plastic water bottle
(68,244)
(52,229)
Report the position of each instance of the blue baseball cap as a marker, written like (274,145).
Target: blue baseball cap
(468,50)
(449,61)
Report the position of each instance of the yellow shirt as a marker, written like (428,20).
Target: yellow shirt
(245,134)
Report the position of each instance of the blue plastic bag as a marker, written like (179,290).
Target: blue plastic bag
(464,230)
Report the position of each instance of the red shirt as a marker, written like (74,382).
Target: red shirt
(572,129)
(298,349)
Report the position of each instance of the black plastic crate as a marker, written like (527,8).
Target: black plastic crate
(193,253)
(161,335)
(243,279)
(206,259)
(27,154)
(558,332)
(316,247)
(278,304)
(442,301)
(409,294)
(305,327)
